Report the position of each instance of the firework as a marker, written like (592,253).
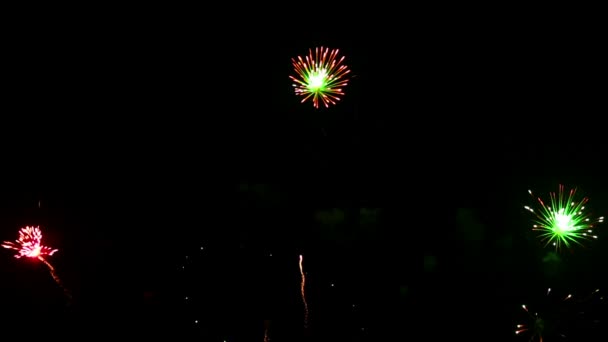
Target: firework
(563,220)
(540,326)
(321,76)
(559,317)
(302,286)
(29,245)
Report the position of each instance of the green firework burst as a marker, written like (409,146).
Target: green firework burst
(563,220)
(320,77)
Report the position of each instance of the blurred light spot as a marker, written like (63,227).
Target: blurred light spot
(430,263)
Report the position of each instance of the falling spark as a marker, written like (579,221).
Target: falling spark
(29,245)
(303,283)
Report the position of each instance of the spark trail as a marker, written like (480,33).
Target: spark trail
(302,287)
(56,277)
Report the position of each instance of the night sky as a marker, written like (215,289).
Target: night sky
(172,160)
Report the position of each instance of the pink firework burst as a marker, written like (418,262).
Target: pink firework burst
(28,244)
(320,76)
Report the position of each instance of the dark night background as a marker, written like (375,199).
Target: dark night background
(145,141)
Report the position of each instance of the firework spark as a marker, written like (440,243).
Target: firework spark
(322,76)
(302,286)
(563,221)
(29,245)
